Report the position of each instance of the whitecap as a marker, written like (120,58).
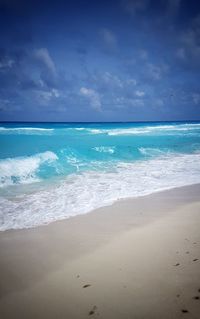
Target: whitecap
(26,130)
(81,193)
(23,169)
(104,149)
(145,130)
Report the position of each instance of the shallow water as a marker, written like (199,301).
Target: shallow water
(54,171)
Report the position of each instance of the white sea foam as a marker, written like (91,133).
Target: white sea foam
(26,130)
(80,128)
(80,193)
(149,151)
(139,130)
(96,131)
(23,169)
(128,131)
(144,130)
(104,149)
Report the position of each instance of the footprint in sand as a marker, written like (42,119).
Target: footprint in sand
(184,310)
(85,286)
(196,297)
(92,311)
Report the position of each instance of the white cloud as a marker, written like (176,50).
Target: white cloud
(55,93)
(172,6)
(196,98)
(43,56)
(143,54)
(123,102)
(132,6)
(109,38)
(181,54)
(111,79)
(92,96)
(156,72)
(189,41)
(4,104)
(8,63)
(44,97)
(135,102)
(139,93)
(159,102)
(131,82)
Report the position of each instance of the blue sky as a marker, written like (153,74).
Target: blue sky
(122,60)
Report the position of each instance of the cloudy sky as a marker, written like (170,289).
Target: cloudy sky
(122,60)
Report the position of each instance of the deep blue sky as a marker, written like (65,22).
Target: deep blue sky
(122,60)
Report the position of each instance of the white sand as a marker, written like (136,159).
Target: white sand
(141,258)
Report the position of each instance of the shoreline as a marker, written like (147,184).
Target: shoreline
(99,209)
(126,251)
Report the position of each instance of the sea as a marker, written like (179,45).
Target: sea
(54,171)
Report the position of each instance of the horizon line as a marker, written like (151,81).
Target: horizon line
(88,122)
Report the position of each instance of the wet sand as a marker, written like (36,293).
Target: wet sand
(139,258)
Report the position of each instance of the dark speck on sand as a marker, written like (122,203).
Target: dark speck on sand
(85,286)
(92,311)
(184,310)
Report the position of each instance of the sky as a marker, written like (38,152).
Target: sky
(122,60)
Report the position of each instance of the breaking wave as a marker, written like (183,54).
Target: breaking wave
(23,170)
(81,193)
(26,130)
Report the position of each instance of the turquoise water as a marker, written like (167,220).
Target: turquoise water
(53,171)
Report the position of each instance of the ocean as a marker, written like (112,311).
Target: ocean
(52,171)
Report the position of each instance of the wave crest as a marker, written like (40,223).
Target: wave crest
(80,193)
(104,149)
(25,130)
(23,169)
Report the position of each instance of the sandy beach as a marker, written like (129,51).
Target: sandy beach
(138,258)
